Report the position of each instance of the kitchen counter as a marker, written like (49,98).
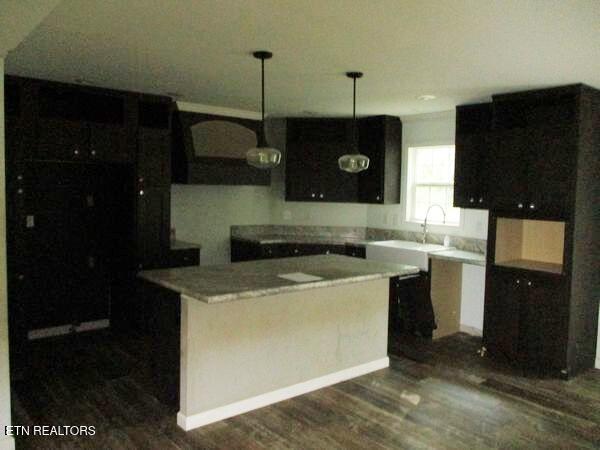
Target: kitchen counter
(251,279)
(182,245)
(460,256)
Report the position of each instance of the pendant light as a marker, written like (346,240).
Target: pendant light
(262,156)
(354,162)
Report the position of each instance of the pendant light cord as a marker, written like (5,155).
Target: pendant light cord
(262,63)
(354,131)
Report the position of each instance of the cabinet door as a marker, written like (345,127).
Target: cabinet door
(153,215)
(551,170)
(473,141)
(501,314)
(108,143)
(154,157)
(508,169)
(61,140)
(544,323)
(372,144)
(301,172)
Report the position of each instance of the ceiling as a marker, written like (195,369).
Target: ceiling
(458,50)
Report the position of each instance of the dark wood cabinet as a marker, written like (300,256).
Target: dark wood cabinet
(534,154)
(77,211)
(313,146)
(153,205)
(473,147)
(380,138)
(526,320)
(243,250)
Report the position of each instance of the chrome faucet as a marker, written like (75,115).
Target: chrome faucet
(424,226)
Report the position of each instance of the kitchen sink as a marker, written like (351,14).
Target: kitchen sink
(403,252)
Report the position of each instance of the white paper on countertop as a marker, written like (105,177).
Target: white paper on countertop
(299,277)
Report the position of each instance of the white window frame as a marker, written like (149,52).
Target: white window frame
(411,188)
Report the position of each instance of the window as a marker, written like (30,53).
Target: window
(431,181)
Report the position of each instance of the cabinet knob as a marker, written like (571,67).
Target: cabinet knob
(321,195)
(313,195)
(472,200)
(327,252)
(21,277)
(141,192)
(520,206)
(19,191)
(378,197)
(76,152)
(531,206)
(20,177)
(296,251)
(140,179)
(518,281)
(529,283)
(93,152)
(480,199)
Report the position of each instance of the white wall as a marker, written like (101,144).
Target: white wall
(5,443)
(203,214)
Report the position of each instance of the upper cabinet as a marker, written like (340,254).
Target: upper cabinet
(473,145)
(209,149)
(533,161)
(519,153)
(313,146)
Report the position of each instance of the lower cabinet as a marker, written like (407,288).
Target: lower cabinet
(243,250)
(526,319)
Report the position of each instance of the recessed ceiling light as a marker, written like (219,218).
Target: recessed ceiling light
(426,97)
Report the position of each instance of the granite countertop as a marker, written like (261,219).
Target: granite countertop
(182,245)
(301,239)
(461,256)
(250,279)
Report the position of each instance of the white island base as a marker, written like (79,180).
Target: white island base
(242,355)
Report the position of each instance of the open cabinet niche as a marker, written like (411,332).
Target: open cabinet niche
(530,244)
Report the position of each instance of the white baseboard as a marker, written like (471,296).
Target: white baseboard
(233,409)
(471,330)
(7,442)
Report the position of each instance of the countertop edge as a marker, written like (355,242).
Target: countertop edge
(465,260)
(222,298)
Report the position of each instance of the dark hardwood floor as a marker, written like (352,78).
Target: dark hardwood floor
(450,399)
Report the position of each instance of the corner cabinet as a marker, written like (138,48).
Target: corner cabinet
(313,146)
(473,145)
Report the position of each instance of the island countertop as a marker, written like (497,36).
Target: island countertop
(251,279)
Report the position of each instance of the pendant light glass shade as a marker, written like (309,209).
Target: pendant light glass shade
(354,162)
(263,156)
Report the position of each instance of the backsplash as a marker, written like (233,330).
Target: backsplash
(353,234)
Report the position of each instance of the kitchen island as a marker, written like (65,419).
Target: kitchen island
(249,334)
